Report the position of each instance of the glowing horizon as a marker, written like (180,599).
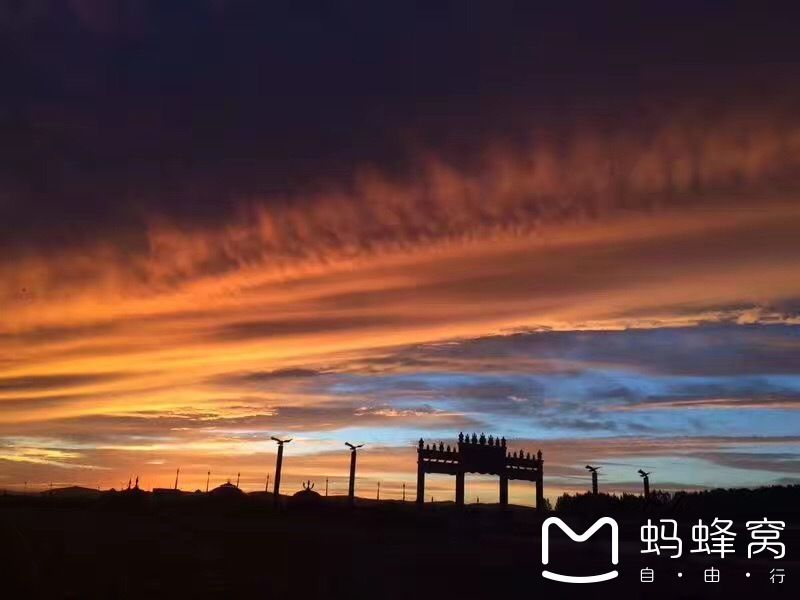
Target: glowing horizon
(197,258)
(186,362)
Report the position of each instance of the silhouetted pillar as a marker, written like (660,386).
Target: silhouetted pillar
(460,488)
(646,481)
(420,483)
(278,463)
(503,490)
(540,483)
(594,482)
(351,489)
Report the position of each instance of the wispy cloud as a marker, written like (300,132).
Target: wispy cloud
(605,286)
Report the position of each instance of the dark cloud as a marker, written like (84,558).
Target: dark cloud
(781,462)
(726,397)
(133,108)
(57,333)
(582,381)
(36,383)
(39,404)
(252,418)
(261,376)
(707,350)
(580,424)
(268,328)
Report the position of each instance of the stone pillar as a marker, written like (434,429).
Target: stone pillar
(420,483)
(503,490)
(594,482)
(646,481)
(351,489)
(540,484)
(460,488)
(278,463)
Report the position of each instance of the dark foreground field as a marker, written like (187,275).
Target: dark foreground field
(82,548)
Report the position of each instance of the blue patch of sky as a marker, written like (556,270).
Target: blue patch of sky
(558,405)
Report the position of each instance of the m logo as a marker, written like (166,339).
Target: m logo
(580,538)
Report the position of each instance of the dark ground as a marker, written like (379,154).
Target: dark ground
(110,547)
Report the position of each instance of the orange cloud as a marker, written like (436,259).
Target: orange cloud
(669,226)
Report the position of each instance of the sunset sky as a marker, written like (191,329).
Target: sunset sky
(572,226)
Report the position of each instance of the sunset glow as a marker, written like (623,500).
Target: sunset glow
(623,292)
